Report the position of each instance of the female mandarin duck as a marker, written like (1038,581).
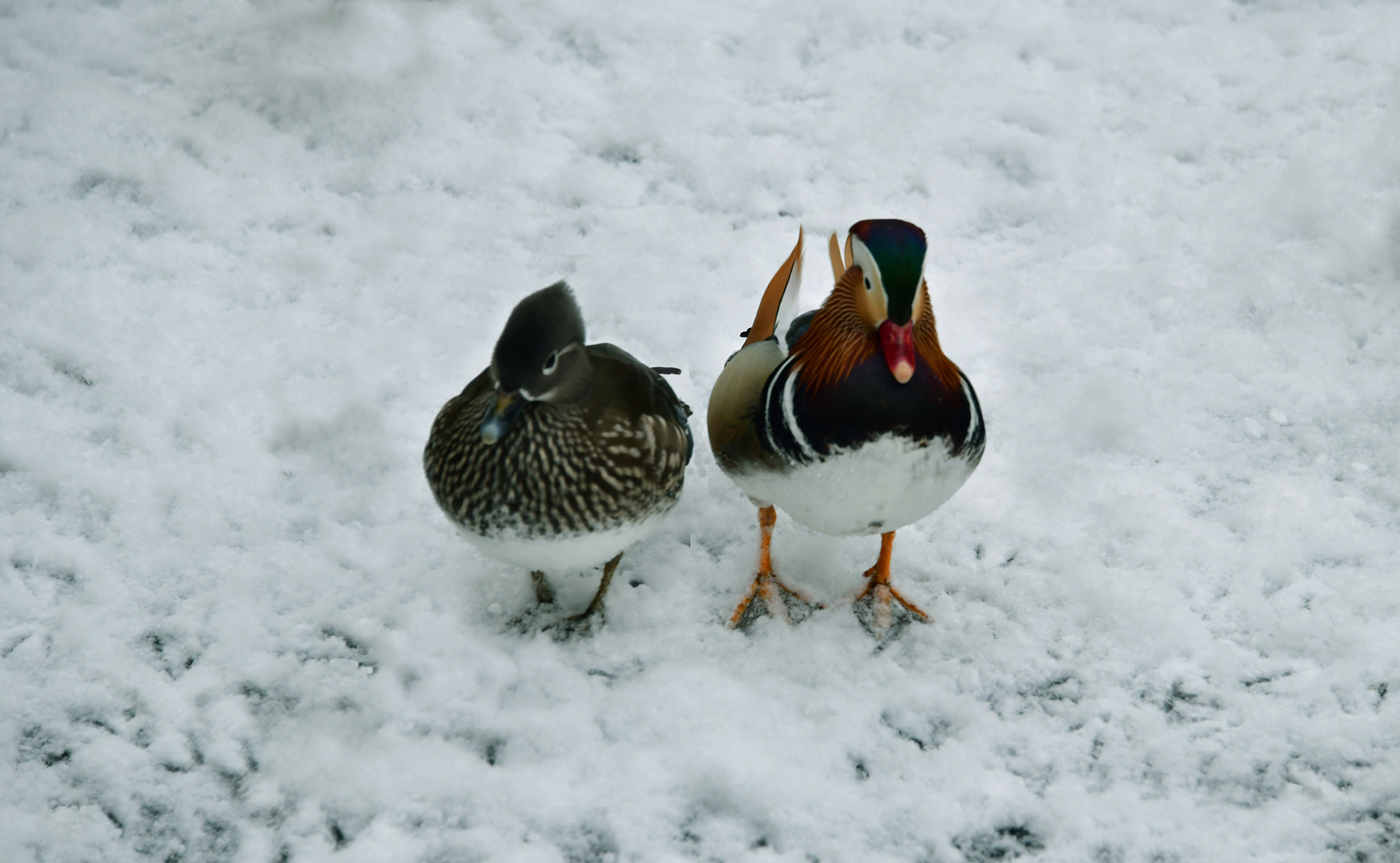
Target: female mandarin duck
(559,455)
(856,423)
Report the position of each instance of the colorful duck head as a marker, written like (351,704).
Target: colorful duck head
(890,255)
(878,307)
(538,358)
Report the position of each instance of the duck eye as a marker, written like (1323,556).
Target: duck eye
(551,364)
(868,286)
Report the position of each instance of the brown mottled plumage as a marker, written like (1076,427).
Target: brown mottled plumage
(617,456)
(558,456)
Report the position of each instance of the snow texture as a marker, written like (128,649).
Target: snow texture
(247,249)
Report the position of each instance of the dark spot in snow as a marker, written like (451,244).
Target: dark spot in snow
(219,842)
(232,781)
(338,836)
(95,722)
(72,373)
(10,648)
(1265,678)
(1002,843)
(620,154)
(63,575)
(591,845)
(115,188)
(1177,695)
(349,648)
(327,632)
(635,582)
(492,751)
(1108,854)
(1063,688)
(922,731)
(1374,838)
(262,701)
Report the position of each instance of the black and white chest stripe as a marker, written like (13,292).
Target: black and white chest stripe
(783,430)
(779,424)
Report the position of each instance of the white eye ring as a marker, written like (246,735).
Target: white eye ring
(551,364)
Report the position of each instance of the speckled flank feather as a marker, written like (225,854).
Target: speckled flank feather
(561,471)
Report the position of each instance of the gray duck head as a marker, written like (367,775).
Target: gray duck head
(538,358)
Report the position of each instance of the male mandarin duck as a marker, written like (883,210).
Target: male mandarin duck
(559,456)
(856,423)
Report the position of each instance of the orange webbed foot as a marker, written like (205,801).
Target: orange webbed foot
(875,606)
(769,594)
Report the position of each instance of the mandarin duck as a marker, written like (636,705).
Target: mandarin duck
(855,423)
(558,456)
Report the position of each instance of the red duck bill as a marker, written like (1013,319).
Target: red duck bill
(898,342)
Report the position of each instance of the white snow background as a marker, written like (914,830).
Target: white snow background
(247,249)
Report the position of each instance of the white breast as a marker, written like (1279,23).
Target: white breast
(565,553)
(880,486)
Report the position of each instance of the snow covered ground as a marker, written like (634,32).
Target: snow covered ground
(247,249)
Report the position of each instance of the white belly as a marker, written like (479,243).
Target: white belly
(881,486)
(562,554)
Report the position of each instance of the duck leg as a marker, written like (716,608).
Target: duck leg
(596,605)
(772,594)
(544,602)
(544,594)
(582,623)
(881,592)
